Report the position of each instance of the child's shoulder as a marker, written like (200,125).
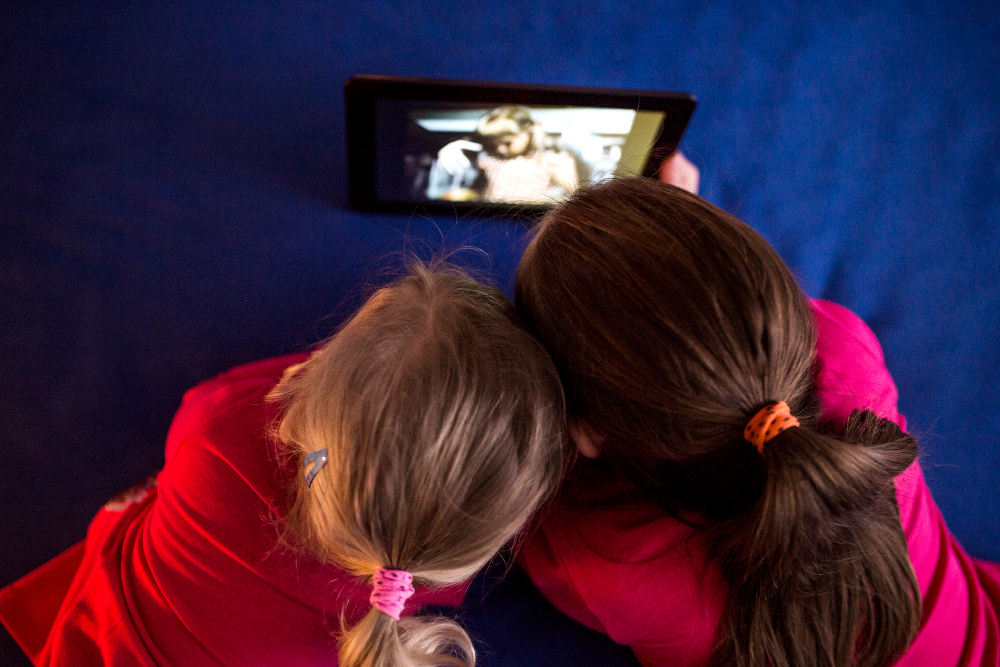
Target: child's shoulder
(839,326)
(254,376)
(850,367)
(628,569)
(243,386)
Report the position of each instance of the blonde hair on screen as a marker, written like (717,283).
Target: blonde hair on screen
(511,119)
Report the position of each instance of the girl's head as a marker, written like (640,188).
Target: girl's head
(443,423)
(509,131)
(672,323)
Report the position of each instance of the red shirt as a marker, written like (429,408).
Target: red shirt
(189,571)
(627,569)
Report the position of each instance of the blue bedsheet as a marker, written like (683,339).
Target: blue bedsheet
(173,202)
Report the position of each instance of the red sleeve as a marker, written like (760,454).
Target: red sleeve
(204,400)
(29,607)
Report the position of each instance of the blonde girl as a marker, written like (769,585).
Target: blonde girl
(512,163)
(305,499)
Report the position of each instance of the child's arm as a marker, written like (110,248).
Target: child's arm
(452,157)
(453,174)
(562,171)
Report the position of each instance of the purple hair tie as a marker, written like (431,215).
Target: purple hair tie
(390,590)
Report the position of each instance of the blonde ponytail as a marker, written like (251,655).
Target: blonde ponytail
(443,422)
(378,640)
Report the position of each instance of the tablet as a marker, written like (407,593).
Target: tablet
(442,146)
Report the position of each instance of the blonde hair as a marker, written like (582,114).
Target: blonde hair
(497,122)
(444,425)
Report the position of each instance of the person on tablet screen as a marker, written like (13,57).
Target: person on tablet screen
(506,161)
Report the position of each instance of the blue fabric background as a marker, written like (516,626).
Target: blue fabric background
(172,203)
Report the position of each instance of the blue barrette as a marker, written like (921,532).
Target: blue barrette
(319,458)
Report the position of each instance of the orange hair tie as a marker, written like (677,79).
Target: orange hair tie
(768,422)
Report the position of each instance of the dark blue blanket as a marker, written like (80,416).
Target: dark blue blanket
(172,203)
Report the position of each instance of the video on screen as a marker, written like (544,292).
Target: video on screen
(506,154)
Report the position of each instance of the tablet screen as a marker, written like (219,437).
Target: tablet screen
(504,153)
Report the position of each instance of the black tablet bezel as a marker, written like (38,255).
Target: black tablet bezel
(362,92)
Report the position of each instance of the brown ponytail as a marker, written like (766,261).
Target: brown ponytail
(818,570)
(443,419)
(671,324)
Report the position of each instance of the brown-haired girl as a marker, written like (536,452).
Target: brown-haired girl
(738,510)
(306,498)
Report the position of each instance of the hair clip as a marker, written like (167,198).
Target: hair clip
(319,458)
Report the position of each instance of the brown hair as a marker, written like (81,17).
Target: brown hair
(444,424)
(671,324)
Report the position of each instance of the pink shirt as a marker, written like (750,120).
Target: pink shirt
(627,569)
(188,570)
(526,179)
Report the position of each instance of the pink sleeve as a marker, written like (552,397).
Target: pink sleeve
(850,368)
(549,575)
